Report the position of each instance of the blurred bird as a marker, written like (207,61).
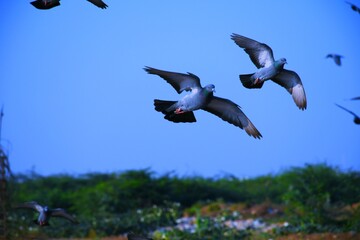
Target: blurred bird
(355,98)
(262,56)
(199,98)
(335,57)
(354,7)
(356,117)
(47,4)
(46,213)
(132,236)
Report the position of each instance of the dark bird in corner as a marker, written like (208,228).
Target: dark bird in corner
(356,117)
(45,213)
(47,4)
(335,57)
(354,7)
(262,56)
(132,236)
(199,98)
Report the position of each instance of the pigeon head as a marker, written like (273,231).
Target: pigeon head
(210,88)
(279,64)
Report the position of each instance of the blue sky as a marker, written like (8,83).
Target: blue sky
(77,99)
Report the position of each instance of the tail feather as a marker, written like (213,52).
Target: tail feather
(248,82)
(162,106)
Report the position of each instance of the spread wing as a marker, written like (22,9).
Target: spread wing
(179,81)
(98,3)
(59,212)
(347,110)
(291,81)
(260,53)
(231,112)
(30,205)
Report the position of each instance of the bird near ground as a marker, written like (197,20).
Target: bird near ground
(354,7)
(262,56)
(45,213)
(47,4)
(132,236)
(199,98)
(356,117)
(335,57)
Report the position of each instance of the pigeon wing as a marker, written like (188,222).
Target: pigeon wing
(59,212)
(30,205)
(291,81)
(98,3)
(347,110)
(179,81)
(260,53)
(231,112)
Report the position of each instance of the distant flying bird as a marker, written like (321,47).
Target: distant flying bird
(199,98)
(355,98)
(47,4)
(335,57)
(356,117)
(45,213)
(262,56)
(354,7)
(132,236)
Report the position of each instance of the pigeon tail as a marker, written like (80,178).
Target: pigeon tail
(248,81)
(163,105)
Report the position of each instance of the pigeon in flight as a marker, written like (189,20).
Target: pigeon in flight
(356,117)
(335,57)
(262,56)
(132,236)
(45,213)
(354,7)
(47,4)
(199,98)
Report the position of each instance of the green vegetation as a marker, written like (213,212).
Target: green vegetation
(314,198)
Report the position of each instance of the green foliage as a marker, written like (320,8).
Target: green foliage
(315,197)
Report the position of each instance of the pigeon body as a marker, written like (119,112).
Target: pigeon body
(335,57)
(45,4)
(269,69)
(45,213)
(356,117)
(199,98)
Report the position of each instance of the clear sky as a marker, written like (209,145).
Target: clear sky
(76,97)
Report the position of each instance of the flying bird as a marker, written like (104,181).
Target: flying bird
(356,117)
(132,236)
(262,56)
(354,7)
(199,98)
(45,213)
(47,4)
(335,57)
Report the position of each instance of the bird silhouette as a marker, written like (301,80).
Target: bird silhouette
(269,68)
(356,117)
(45,213)
(199,98)
(47,4)
(354,7)
(335,57)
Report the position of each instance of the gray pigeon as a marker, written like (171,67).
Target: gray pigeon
(356,117)
(45,4)
(199,98)
(262,56)
(335,57)
(354,7)
(132,236)
(46,213)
